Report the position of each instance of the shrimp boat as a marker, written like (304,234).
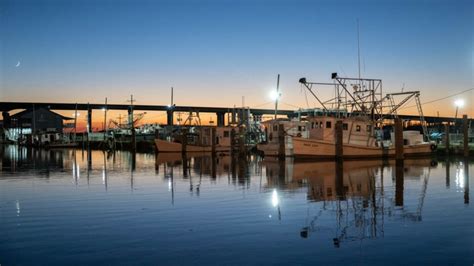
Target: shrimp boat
(359,140)
(282,130)
(196,139)
(359,106)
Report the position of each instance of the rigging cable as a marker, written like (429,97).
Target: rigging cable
(440,99)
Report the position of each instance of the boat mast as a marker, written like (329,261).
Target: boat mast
(358,52)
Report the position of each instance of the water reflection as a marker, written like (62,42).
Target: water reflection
(320,203)
(354,193)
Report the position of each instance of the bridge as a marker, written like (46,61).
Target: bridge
(257,113)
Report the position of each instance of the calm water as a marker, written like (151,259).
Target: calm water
(70,207)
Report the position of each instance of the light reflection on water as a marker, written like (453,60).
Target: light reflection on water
(72,206)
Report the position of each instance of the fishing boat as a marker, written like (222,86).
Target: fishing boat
(196,139)
(362,112)
(359,140)
(279,134)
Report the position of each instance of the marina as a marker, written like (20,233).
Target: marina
(236,132)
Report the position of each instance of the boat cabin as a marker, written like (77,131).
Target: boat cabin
(356,130)
(291,128)
(203,136)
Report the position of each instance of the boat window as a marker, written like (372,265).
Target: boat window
(275,127)
(358,128)
(312,124)
(328,124)
(344,126)
(303,128)
(320,124)
(369,128)
(299,128)
(226,134)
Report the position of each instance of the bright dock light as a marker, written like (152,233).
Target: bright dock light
(459,103)
(274,95)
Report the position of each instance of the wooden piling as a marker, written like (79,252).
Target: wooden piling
(399,182)
(465,129)
(214,168)
(399,153)
(184,140)
(281,142)
(242,150)
(448,177)
(446,137)
(339,182)
(213,141)
(339,140)
(466,181)
(232,140)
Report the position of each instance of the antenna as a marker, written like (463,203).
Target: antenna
(358,49)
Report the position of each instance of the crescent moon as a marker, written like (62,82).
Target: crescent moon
(17,64)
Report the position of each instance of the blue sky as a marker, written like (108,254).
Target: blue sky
(215,52)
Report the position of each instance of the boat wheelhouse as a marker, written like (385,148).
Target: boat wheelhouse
(279,135)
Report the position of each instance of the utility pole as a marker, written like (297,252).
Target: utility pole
(105,119)
(132,124)
(75,124)
(277,95)
(34,121)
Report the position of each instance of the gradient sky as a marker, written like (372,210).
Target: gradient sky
(215,52)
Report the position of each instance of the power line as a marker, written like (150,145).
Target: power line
(440,99)
(259,105)
(291,105)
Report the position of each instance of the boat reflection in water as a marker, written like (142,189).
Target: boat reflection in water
(357,195)
(224,203)
(237,170)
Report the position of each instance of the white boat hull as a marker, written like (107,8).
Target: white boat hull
(321,149)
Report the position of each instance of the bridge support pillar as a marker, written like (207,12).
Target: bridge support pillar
(169,117)
(220,119)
